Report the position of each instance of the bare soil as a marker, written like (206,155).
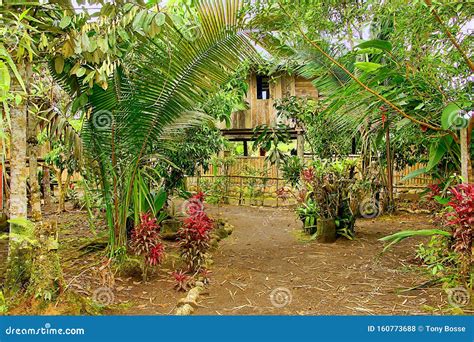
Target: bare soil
(266,252)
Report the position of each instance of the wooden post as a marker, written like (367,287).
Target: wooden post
(300,144)
(241,190)
(246,148)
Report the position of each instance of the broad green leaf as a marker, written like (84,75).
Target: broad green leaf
(80,72)
(159,200)
(59,64)
(160,18)
(139,19)
(65,21)
(6,56)
(376,43)
(177,20)
(441,200)
(414,174)
(367,66)
(83,99)
(449,112)
(75,105)
(437,151)
(85,42)
(4,81)
(397,237)
(89,77)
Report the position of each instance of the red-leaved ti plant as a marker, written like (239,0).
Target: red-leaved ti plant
(205,275)
(195,204)
(156,255)
(194,236)
(434,190)
(181,280)
(145,241)
(461,219)
(308,175)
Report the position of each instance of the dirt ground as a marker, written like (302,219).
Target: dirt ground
(267,267)
(266,253)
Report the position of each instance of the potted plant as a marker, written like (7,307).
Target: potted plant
(308,213)
(328,185)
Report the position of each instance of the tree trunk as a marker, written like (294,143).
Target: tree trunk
(465,160)
(46,183)
(18,252)
(391,203)
(61,191)
(35,195)
(47,281)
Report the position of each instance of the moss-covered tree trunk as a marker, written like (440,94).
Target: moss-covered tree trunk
(61,191)
(18,254)
(46,184)
(35,194)
(46,282)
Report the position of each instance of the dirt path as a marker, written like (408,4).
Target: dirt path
(264,254)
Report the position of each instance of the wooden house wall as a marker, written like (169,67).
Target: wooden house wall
(261,111)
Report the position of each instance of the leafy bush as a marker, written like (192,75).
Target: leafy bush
(439,259)
(324,192)
(194,236)
(145,242)
(291,169)
(461,218)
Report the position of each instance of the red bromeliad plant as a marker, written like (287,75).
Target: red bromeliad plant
(145,241)
(194,236)
(461,219)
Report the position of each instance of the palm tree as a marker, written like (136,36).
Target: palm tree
(158,86)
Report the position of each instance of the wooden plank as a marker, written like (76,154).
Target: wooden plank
(253,101)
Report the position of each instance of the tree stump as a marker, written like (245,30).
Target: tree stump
(46,282)
(326,232)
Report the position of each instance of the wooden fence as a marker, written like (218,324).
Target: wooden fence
(253,181)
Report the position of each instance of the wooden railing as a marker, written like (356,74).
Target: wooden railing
(251,180)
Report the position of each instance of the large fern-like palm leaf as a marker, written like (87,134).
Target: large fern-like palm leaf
(158,85)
